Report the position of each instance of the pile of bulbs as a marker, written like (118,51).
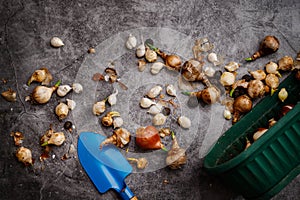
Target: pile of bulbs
(42,94)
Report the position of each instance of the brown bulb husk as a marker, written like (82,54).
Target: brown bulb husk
(256,88)
(18,137)
(269,45)
(108,120)
(241,105)
(42,76)
(192,71)
(9,95)
(209,95)
(24,155)
(176,155)
(148,138)
(120,138)
(45,138)
(286,63)
(173,62)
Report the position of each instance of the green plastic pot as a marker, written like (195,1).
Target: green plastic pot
(271,162)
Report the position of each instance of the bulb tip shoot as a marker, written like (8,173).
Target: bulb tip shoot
(164,148)
(186,93)
(151,46)
(273,91)
(44,144)
(248,59)
(231,92)
(172,135)
(57,83)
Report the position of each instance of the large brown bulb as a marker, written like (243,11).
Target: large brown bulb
(148,138)
(269,45)
(241,105)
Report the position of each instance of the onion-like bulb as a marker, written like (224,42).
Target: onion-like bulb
(150,55)
(256,88)
(24,155)
(259,133)
(184,122)
(176,155)
(286,63)
(227,78)
(209,95)
(154,91)
(42,94)
(41,75)
(269,45)
(159,119)
(241,105)
(57,139)
(258,74)
(282,95)
(146,103)
(63,90)
(140,50)
(99,107)
(273,82)
(131,42)
(9,95)
(148,138)
(172,61)
(272,68)
(62,110)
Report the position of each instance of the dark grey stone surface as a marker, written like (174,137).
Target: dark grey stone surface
(235,27)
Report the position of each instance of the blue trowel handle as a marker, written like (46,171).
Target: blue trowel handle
(126,194)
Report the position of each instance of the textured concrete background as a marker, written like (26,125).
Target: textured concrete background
(235,27)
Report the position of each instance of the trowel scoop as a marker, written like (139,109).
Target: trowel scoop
(106,167)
